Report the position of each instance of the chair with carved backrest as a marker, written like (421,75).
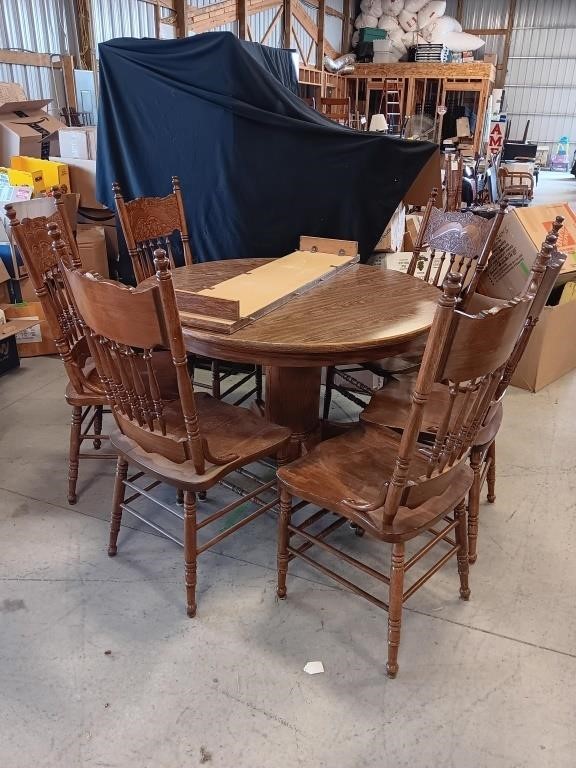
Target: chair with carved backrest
(453,180)
(390,406)
(447,241)
(149,223)
(394,487)
(187,440)
(84,392)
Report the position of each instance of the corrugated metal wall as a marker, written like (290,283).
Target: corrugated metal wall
(128,18)
(541,77)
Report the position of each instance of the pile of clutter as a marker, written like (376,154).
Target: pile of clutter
(411,23)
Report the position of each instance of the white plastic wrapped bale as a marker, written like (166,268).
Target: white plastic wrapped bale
(408,21)
(396,37)
(371,7)
(389,23)
(436,31)
(392,7)
(365,20)
(432,11)
(413,6)
(462,41)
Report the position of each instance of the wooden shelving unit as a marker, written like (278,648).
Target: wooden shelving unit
(424,85)
(323,83)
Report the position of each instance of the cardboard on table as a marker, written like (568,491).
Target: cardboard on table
(521,235)
(79,143)
(25,127)
(10,92)
(35,339)
(9,329)
(55,174)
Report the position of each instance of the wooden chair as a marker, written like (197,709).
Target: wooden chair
(336,109)
(187,440)
(395,487)
(453,184)
(447,241)
(149,223)
(518,186)
(84,392)
(390,407)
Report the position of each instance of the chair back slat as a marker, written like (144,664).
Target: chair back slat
(32,236)
(127,331)
(149,223)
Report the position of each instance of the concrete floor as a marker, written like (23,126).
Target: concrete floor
(99,665)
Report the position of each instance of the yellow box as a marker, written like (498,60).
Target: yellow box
(55,174)
(34,179)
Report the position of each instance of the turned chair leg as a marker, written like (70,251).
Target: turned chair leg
(462,554)
(216,392)
(97,443)
(283,541)
(118,499)
(328,387)
(395,607)
(190,551)
(73,458)
(474,503)
(491,476)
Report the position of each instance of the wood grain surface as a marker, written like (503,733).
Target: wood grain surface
(361,314)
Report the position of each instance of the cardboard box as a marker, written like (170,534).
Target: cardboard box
(83,180)
(11,92)
(9,358)
(428,178)
(34,339)
(79,143)
(413,222)
(26,129)
(551,351)
(4,284)
(92,247)
(393,236)
(24,178)
(10,194)
(55,174)
(102,217)
(520,237)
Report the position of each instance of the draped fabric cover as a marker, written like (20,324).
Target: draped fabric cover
(257,166)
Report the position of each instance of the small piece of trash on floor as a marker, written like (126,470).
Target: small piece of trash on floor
(107,653)
(314,668)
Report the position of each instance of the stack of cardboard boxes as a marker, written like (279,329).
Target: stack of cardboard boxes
(37,151)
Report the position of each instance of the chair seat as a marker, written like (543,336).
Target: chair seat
(357,465)
(229,431)
(164,369)
(390,407)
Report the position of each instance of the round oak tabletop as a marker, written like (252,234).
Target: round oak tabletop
(363,313)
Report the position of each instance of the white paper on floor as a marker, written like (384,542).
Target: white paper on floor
(314,667)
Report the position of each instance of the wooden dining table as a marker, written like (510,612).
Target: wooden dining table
(361,314)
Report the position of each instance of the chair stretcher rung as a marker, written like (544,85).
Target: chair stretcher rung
(235,527)
(144,492)
(235,504)
(424,551)
(149,523)
(340,579)
(423,579)
(338,552)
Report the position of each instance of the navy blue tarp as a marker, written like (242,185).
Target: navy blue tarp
(258,167)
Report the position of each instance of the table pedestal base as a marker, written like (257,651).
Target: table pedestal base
(293,401)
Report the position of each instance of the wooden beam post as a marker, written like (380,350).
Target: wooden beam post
(346,27)
(85,39)
(242,19)
(502,66)
(181,9)
(287,24)
(320,45)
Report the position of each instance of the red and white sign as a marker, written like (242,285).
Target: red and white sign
(496,138)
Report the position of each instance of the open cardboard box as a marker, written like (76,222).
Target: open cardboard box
(551,351)
(24,127)
(33,337)
(520,237)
